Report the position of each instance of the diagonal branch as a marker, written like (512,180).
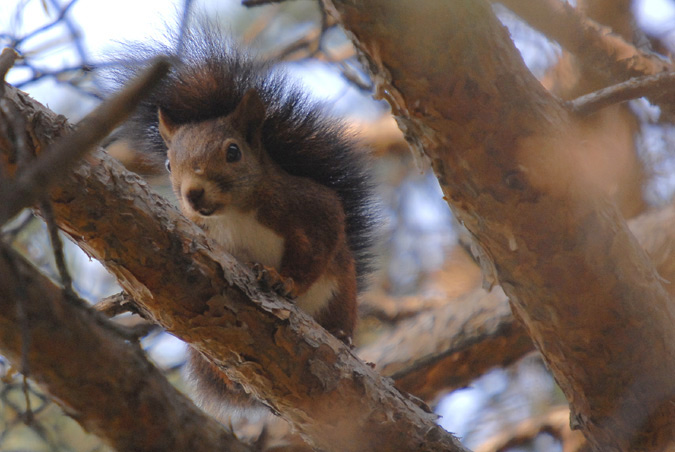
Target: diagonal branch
(605,55)
(650,86)
(595,45)
(446,348)
(53,164)
(197,292)
(78,358)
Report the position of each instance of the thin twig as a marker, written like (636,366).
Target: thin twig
(653,86)
(7,59)
(57,247)
(9,235)
(53,164)
(252,3)
(74,33)
(184,23)
(116,304)
(48,26)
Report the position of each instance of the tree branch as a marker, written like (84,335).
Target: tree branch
(55,162)
(195,290)
(443,349)
(78,358)
(595,45)
(649,86)
(605,55)
(446,348)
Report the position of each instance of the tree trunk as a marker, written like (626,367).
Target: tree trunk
(506,154)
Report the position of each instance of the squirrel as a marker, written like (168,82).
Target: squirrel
(268,174)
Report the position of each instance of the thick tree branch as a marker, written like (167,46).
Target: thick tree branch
(599,52)
(446,348)
(597,47)
(7,59)
(78,358)
(196,291)
(443,349)
(505,154)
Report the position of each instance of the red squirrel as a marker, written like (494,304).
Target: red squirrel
(268,174)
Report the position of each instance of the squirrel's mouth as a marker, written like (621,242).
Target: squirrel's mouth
(201,209)
(206,211)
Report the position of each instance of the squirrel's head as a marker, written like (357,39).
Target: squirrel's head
(216,164)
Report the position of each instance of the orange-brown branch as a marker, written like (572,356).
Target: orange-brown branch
(200,294)
(78,359)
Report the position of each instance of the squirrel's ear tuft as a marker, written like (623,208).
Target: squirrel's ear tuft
(167,128)
(249,115)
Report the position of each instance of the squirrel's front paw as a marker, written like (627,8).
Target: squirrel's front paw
(270,279)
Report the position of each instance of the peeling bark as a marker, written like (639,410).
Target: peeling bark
(446,347)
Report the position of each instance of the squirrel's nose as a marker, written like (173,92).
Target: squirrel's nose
(195,197)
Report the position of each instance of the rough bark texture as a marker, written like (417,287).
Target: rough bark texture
(200,294)
(97,377)
(447,348)
(505,151)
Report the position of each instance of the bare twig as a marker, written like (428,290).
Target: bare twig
(252,3)
(48,26)
(184,23)
(133,331)
(53,164)
(117,304)
(19,292)
(309,43)
(74,32)
(7,59)
(652,86)
(57,247)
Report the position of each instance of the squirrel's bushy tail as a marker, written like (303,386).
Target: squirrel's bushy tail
(209,79)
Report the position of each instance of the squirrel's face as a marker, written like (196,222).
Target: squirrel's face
(215,165)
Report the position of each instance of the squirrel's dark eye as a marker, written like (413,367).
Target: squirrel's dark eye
(233,153)
(168,165)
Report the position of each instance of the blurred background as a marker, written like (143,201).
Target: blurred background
(426,262)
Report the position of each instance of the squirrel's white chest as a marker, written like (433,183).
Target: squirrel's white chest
(245,238)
